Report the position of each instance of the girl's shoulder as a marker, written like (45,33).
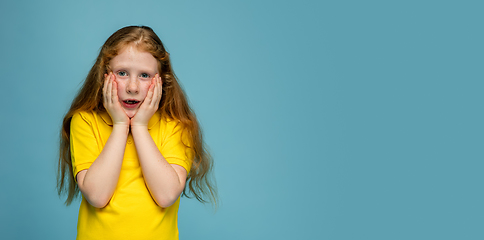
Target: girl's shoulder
(91,116)
(87,114)
(170,123)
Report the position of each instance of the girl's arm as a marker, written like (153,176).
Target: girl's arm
(165,181)
(98,183)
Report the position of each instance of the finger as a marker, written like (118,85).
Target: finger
(160,91)
(111,89)
(149,96)
(105,86)
(156,92)
(161,86)
(115,91)
(108,90)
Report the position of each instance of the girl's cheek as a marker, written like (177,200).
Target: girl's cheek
(146,88)
(120,86)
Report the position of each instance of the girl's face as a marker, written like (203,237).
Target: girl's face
(134,71)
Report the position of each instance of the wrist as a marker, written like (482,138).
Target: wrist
(136,127)
(121,127)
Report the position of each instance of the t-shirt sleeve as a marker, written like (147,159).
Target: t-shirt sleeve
(84,147)
(174,149)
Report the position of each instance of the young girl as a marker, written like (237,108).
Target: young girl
(130,143)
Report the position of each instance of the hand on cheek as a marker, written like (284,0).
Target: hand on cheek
(111,102)
(150,103)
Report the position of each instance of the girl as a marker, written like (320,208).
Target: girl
(130,143)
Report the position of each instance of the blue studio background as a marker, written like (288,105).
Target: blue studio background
(327,119)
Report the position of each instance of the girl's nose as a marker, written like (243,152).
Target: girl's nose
(133,85)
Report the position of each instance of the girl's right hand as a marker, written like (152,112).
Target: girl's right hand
(111,102)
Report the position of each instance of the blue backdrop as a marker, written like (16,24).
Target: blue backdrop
(327,119)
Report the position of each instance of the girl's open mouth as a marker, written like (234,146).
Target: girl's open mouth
(130,103)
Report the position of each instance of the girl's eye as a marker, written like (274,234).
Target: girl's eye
(145,75)
(122,73)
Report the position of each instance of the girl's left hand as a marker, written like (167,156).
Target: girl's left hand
(150,104)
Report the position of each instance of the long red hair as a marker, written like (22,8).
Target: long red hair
(173,105)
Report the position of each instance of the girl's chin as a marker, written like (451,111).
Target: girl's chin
(131,113)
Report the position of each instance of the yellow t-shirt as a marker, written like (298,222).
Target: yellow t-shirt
(131,213)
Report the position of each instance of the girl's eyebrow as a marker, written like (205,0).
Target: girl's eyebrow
(121,67)
(128,67)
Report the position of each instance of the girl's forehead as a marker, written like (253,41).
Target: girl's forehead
(133,48)
(133,56)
